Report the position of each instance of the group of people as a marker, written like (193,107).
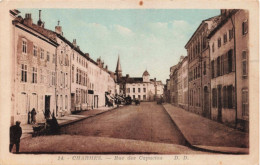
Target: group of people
(16,130)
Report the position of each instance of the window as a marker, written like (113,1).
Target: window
(230,61)
(77,76)
(48,56)
(213,48)
(244,64)
(53,78)
(219,42)
(218,66)
(204,68)
(222,65)
(245,106)
(41,76)
(225,100)
(66,80)
(230,96)
(144,89)
(24,73)
(133,96)
(204,44)
(139,90)
(214,98)
(34,51)
(144,97)
(245,27)
(42,54)
(128,90)
(24,46)
(72,74)
(139,97)
(66,102)
(230,34)
(53,58)
(225,38)
(34,75)
(133,90)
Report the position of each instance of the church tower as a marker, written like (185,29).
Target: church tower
(118,71)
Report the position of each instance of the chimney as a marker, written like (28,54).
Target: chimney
(106,67)
(87,54)
(40,23)
(74,42)
(58,29)
(28,19)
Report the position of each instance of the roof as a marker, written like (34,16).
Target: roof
(146,73)
(215,20)
(50,39)
(221,23)
(132,79)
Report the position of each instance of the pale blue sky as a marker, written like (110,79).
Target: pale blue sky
(145,38)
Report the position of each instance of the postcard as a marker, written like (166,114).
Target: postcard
(129,82)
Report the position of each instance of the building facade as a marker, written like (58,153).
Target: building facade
(183,83)
(196,47)
(34,70)
(229,69)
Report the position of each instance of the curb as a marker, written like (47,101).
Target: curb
(74,121)
(196,147)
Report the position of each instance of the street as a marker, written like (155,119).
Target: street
(145,128)
(147,122)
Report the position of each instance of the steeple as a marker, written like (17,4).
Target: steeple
(118,71)
(118,65)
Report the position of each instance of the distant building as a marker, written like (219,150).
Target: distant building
(143,88)
(183,83)
(174,84)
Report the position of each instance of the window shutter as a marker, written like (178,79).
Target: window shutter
(233,61)
(225,63)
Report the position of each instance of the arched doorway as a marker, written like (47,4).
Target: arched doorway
(206,109)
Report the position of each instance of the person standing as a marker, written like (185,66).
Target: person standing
(15,135)
(33,116)
(29,117)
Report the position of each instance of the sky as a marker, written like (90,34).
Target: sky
(151,39)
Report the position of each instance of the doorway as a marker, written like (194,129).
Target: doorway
(47,106)
(219,104)
(206,112)
(96,101)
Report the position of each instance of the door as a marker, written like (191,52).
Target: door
(219,104)
(72,101)
(96,101)
(206,112)
(47,106)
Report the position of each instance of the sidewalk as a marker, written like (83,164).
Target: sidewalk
(205,134)
(65,120)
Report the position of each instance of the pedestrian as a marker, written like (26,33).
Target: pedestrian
(29,117)
(15,135)
(33,116)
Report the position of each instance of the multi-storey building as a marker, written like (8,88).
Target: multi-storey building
(183,83)
(173,84)
(195,48)
(229,69)
(143,88)
(51,74)
(34,71)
